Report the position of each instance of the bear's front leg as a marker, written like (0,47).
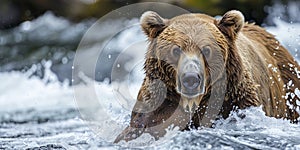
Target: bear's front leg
(156,109)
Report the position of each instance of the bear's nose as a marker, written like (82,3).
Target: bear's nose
(191,80)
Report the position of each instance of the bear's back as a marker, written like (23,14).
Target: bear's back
(270,67)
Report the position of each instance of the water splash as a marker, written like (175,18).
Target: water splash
(44,112)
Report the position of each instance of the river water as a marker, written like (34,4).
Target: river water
(39,111)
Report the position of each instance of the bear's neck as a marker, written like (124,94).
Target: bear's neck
(234,68)
(241,90)
(234,71)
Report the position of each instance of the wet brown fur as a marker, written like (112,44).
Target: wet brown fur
(249,55)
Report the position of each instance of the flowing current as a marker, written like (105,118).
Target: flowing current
(39,111)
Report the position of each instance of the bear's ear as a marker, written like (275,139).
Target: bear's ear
(152,24)
(231,23)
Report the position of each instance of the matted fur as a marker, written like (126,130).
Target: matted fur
(257,70)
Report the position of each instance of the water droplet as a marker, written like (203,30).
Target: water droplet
(270,65)
(64,60)
(118,65)
(72,67)
(109,56)
(26,26)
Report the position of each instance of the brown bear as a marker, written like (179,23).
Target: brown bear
(199,69)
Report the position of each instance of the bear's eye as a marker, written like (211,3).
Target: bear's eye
(176,51)
(206,51)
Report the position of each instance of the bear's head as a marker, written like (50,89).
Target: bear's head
(190,53)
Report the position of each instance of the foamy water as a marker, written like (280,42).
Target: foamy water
(46,115)
(43,113)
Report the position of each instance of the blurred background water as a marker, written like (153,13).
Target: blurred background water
(38,42)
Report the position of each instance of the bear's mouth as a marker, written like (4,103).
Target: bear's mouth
(191,85)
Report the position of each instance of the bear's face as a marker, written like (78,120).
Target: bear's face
(194,47)
(193,56)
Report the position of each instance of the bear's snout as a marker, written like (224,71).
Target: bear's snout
(191,78)
(192,84)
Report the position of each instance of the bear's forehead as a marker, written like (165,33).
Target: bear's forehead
(191,32)
(196,24)
(193,17)
(193,29)
(191,23)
